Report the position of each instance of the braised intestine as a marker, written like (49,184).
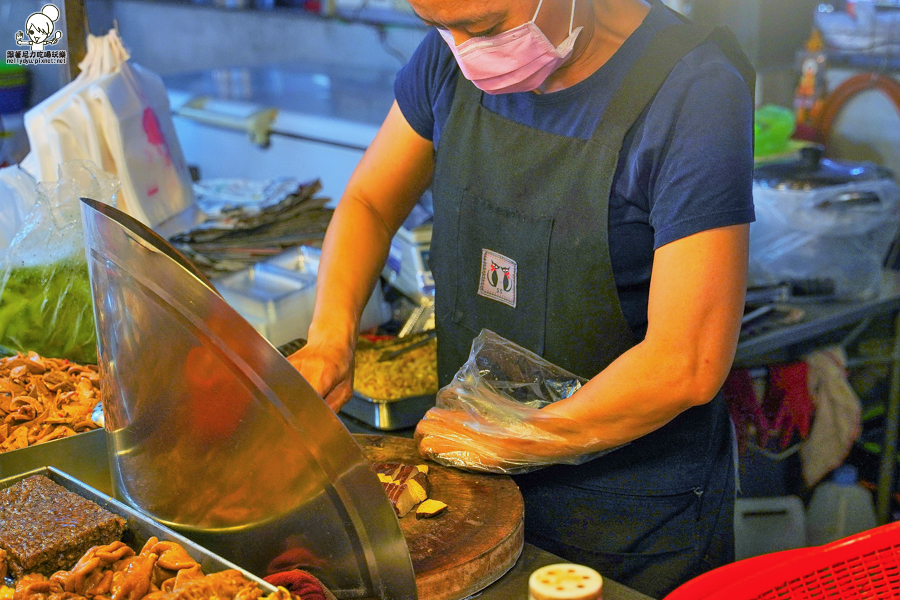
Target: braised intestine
(43,399)
(161,571)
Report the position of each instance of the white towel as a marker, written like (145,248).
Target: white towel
(838,418)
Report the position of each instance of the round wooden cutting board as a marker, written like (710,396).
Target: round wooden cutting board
(474,542)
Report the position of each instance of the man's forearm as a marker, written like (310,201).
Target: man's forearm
(641,391)
(353,254)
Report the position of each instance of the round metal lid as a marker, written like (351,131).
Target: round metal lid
(811,171)
(214,434)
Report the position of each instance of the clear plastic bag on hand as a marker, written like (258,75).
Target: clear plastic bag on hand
(45,292)
(489,417)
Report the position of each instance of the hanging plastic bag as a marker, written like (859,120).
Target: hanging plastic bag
(42,121)
(136,121)
(813,234)
(494,399)
(17,195)
(117,115)
(45,292)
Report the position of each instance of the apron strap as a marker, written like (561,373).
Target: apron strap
(467,92)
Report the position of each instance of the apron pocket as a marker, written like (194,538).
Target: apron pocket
(502,261)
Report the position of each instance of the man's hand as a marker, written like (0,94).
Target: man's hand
(507,443)
(329,370)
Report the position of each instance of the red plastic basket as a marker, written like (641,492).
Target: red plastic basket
(865,566)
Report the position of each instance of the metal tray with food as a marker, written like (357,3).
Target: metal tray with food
(50,415)
(388,415)
(395,380)
(82,456)
(139,528)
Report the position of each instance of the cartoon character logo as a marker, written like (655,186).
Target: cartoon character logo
(495,277)
(40,29)
(498,277)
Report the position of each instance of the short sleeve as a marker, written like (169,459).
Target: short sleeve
(703,172)
(424,86)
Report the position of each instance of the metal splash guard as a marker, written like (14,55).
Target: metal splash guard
(214,434)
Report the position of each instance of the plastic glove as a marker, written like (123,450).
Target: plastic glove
(489,417)
(478,443)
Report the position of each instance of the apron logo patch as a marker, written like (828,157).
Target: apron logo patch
(498,277)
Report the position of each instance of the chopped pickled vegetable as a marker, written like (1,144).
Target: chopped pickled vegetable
(413,373)
(48,309)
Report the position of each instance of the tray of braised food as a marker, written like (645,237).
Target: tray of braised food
(44,399)
(62,539)
(394,380)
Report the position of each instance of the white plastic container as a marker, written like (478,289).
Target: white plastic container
(278,306)
(839,508)
(565,581)
(277,296)
(303,263)
(769,524)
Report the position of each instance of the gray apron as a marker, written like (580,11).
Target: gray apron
(520,246)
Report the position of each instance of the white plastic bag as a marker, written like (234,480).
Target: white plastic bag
(137,124)
(117,115)
(817,235)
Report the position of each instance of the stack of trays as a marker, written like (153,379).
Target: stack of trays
(276,296)
(279,306)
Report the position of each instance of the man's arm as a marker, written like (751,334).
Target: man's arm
(696,301)
(392,175)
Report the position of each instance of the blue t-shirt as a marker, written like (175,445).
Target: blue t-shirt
(685,167)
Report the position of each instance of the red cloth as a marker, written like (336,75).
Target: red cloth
(786,408)
(789,398)
(299,583)
(744,408)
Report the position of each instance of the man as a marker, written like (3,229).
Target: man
(591,168)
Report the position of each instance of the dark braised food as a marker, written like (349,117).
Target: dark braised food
(45,528)
(405,485)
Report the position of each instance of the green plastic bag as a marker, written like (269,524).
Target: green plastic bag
(773,127)
(45,292)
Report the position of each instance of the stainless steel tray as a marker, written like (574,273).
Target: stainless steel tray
(388,415)
(140,527)
(82,456)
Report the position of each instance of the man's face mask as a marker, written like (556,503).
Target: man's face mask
(518,60)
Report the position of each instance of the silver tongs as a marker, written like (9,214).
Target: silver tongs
(392,354)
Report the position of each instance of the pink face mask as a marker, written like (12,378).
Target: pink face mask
(518,60)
